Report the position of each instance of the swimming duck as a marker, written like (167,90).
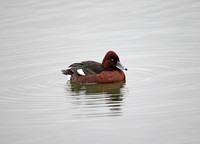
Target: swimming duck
(89,72)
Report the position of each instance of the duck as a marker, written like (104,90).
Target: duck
(92,72)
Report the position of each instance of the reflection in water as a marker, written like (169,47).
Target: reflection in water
(97,100)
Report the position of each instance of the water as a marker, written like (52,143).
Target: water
(158,41)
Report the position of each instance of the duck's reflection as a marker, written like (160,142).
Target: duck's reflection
(98,99)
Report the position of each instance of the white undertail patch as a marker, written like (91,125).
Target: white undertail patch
(68,77)
(80,71)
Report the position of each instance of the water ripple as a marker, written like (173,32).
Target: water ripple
(96,100)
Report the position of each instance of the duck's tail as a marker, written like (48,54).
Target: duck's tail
(67,72)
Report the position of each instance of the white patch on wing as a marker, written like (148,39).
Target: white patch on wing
(80,71)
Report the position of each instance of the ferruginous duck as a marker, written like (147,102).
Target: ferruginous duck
(89,72)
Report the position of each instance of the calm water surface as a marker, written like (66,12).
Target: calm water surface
(158,41)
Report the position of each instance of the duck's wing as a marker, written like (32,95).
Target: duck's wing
(93,67)
(84,68)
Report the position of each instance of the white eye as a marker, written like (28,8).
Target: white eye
(112,59)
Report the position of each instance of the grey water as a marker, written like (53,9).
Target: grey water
(158,41)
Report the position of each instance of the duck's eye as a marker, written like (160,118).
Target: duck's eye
(112,59)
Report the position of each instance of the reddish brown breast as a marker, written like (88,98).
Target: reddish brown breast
(103,77)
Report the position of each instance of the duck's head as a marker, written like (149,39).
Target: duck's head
(111,61)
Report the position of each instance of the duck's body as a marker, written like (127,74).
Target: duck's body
(94,72)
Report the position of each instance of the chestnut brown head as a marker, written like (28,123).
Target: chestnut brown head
(111,61)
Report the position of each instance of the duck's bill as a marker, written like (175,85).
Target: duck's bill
(120,66)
